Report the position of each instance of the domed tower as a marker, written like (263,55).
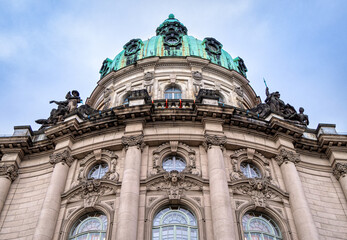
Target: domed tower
(173,143)
(173,65)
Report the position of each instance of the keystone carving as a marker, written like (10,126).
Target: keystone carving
(340,170)
(174,183)
(257,189)
(63,157)
(10,171)
(133,141)
(197,75)
(287,156)
(213,140)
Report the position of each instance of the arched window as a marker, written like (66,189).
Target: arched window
(98,171)
(173,93)
(174,163)
(249,170)
(258,226)
(174,224)
(91,226)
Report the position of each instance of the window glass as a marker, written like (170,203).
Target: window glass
(98,171)
(174,163)
(175,224)
(260,226)
(126,101)
(91,226)
(173,93)
(250,170)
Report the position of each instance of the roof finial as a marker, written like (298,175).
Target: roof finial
(171,16)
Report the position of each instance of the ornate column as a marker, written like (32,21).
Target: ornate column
(222,218)
(51,205)
(301,212)
(130,191)
(340,171)
(8,173)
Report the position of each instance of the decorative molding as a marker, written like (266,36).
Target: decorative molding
(213,140)
(287,156)
(260,190)
(340,170)
(130,141)
(63,157)
(174,183)
(10,171)
(90,191)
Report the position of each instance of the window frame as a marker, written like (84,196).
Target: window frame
(173,92)
(173,157)
(97,164)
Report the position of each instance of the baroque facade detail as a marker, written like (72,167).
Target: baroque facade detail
(340,170)
(10,171)
(287,156)
(213,140)
(63,157)
(135,140)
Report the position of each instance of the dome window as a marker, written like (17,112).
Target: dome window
(132,47)
(213,46)
(174,163)
(249,170)
(173,93)
(98,171)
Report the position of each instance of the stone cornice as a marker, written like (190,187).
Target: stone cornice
(287,156)
(340,170)
(63,157)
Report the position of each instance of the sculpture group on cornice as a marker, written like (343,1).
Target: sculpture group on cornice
(273,104)
(66,108)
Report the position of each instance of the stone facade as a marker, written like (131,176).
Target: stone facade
(300,180)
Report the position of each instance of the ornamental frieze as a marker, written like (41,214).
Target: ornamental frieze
(287,156)
(214,140)
(174,183)
(259,190)
(10,171)
(130,141)
(63,157)
(90,191)
(340,170)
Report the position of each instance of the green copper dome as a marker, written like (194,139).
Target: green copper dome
(172,41)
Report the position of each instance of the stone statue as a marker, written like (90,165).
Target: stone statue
(301,117)
(274,101)
(66,107)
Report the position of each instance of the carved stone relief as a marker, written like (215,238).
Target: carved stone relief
(148,83)
(340,170)
(287,156)
(174,183)
(64,157)
(130,141)
(10,171)
(213,140)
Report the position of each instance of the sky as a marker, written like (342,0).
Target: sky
(48,48)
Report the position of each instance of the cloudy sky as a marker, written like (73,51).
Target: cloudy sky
(48,48)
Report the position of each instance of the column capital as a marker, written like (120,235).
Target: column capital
(287,156)
(9,171)
(63,157)
(340,170)
(214,140)
(134,140)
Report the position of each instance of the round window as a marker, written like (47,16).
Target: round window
(250,170)
(174,163)
(98,171)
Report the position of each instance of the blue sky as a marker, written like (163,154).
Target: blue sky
(48,48)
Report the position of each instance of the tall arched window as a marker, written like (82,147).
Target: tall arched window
(249,170)
(174,224)
(258,226)
(173,93)
(92,226)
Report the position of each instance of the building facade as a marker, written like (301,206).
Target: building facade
(174,143)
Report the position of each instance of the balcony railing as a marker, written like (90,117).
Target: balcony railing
(174,104)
